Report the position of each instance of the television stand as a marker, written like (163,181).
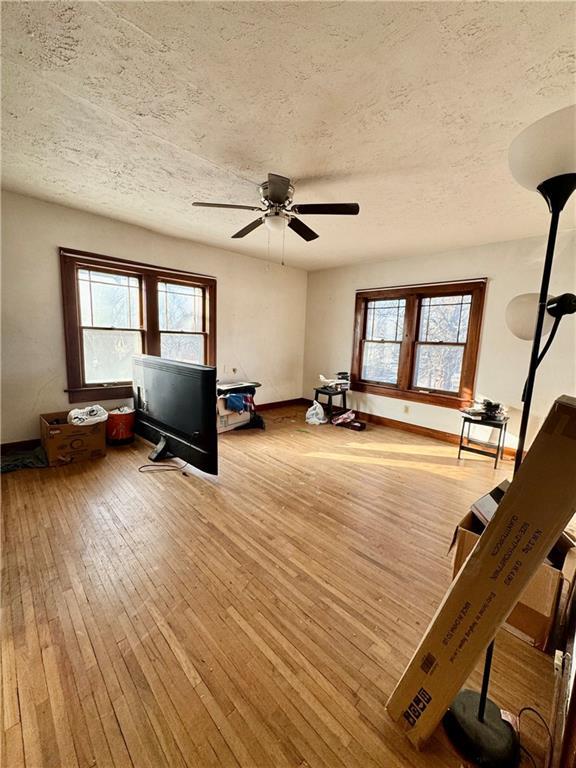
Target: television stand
(160,451)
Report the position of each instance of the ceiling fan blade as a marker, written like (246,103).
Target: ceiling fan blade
(249,228)
(278,187)
(227,205)
(336,209)
(302,229)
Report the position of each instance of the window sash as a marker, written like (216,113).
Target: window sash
(383,342)
(128,287)
(437,344)
(116,382)
(195,297)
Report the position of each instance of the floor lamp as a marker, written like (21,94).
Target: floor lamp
(542,158)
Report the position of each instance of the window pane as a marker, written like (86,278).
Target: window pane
(108,355)
(180,307)
(385,319)
(108,299)
(110,305)
(85,303)
(187,347)
(438,367)
(444,318)
(380,361)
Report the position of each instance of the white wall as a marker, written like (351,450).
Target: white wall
(261,306)
(511,268)
(275,324)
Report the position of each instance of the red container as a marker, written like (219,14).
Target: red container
(120,427)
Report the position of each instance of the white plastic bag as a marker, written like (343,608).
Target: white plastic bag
(315,414)
(90,415)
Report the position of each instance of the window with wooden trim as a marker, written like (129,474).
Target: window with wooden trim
(419,342)
(114,309)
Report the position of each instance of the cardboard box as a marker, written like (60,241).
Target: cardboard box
(534,512)
(542,605)
(231,420)
(66,443)
(228,420)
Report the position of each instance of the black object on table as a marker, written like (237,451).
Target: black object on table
(473,445)
(330,393)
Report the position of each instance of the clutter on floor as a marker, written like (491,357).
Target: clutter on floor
(92,414)
(338,416)
(315,415)
(23,460)
(65,443)
(120,426)
(235,406)
(331,388)
(541,611)
(348,420)
(528,522)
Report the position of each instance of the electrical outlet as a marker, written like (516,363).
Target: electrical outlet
(406,409)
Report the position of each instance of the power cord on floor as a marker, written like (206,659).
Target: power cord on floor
(544,723)
(157,467)
(529,755)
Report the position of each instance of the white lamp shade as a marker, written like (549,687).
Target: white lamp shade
(545,149)
(521,314)
(275,223)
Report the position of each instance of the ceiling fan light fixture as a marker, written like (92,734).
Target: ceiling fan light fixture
(278,212)
(276,222)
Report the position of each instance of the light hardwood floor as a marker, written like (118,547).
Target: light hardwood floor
(260,619)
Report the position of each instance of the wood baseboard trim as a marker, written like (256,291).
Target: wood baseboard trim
(20,445)
(416,429)
(282,404)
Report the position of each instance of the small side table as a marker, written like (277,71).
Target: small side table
(473,445)
(330,393)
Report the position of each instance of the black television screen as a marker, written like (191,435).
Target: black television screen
(175,406)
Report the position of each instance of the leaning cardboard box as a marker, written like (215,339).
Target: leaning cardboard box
(66,443)
(530,518)
(541,608)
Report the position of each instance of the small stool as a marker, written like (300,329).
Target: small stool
(473,445)
(330,393)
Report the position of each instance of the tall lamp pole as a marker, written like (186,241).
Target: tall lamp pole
(542,158)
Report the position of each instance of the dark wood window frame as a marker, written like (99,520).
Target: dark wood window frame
(71,261)
(413,294)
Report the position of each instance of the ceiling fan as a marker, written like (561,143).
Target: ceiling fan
(278,210)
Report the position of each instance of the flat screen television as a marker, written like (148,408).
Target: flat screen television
(175,407)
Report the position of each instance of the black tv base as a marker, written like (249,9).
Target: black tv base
(160,451)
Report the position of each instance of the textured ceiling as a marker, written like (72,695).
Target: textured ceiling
(135,109)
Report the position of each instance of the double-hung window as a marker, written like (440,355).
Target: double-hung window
(419,342)
(114,309)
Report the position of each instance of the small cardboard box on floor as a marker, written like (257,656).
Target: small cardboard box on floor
(228,420)
(66,443)
(542,606)
(535,510)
